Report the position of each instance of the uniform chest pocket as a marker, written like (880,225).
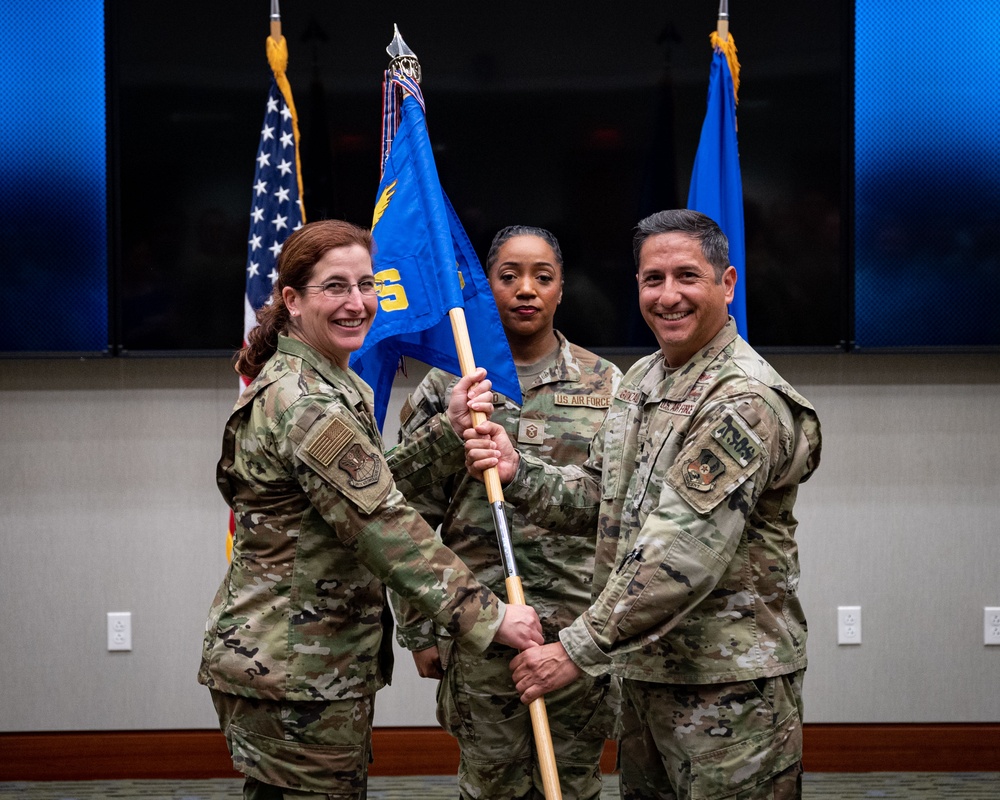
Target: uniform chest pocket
(656,454)
(619,448)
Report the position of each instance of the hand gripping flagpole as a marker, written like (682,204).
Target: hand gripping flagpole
(405,61)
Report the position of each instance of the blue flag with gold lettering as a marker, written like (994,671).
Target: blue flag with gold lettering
(716,183)
(428,266)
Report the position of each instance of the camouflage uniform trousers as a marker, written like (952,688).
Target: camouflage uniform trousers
(479,705)
(732,741)
(298,749)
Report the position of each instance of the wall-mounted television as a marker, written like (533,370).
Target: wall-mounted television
(579,118)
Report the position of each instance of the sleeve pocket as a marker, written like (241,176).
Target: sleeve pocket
(347,461)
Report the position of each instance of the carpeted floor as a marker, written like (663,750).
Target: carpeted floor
(817,786)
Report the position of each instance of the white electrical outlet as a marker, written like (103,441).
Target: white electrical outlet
(119,630)
(848,624)
(991,625)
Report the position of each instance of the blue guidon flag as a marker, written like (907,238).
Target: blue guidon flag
(716,183)
(427,266)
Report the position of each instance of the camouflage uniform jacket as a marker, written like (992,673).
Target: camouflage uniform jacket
(691,482)
(302,613)
(561,411)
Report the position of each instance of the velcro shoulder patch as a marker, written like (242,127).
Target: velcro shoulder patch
(330,440)
(737,439)
(348,461)
(406,412)
(716,463)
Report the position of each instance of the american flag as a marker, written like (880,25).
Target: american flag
(276,204)
(276,200)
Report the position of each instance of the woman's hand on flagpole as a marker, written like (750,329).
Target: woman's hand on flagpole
(472,393)
(520,628)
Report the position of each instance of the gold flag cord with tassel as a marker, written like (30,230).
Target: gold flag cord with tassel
(727,46)
(277,57)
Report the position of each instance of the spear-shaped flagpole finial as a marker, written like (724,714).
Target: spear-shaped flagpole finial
(275,20)
(722,28)
(403,59)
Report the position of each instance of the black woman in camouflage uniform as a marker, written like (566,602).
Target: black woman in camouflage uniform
(691,482)
(299,636)
(566,392)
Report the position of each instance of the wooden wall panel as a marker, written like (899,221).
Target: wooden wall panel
(178,755)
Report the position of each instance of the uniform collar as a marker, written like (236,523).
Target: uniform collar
(660,383)
(562,367)
(356,390)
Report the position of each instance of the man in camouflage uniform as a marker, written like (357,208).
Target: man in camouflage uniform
(691,482)
(566,391)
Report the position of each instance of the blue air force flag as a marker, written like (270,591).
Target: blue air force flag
(716,183)
(428,266)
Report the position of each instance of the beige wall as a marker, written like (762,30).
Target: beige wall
(108,503)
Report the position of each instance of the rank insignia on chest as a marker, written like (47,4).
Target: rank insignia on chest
(530,431)
(363,467)
(702,473)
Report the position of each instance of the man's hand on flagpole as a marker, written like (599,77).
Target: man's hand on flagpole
(541,670)
(520,628)
(428,663)
(487,445)
(472,393)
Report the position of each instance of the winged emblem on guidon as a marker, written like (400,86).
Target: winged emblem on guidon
(383,202)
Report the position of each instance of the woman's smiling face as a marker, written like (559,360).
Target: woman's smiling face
(335,326)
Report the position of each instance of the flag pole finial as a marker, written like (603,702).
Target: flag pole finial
(275,20)
(723,25)
(403,59)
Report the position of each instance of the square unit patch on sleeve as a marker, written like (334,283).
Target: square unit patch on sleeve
(348,461)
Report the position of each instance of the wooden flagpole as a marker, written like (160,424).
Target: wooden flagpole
(515,591)
(275,21)
(722,25)
(405,60)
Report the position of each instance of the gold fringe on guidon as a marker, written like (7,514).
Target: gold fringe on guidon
(277,57)
(728,48)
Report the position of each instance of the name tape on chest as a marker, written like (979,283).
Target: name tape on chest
(630,396)
(684,408)
(583,400)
